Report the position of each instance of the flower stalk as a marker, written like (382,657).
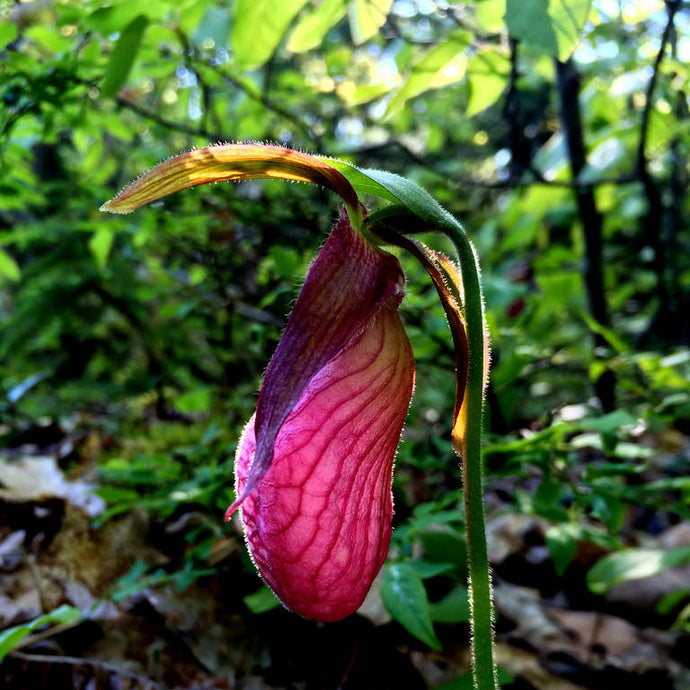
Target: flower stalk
(467,441)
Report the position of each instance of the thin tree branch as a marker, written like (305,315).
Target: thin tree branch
(268,103)
(152,115)
(206,93)
(568,85)
(672,6)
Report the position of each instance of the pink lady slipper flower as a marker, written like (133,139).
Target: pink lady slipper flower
(314,464)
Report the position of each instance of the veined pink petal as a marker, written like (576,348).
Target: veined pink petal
(345,287)
(314,466)
(318,523)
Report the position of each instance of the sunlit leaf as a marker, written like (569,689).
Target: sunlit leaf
(550,26)
(8,33)
(313,27)
(442,65)
(568,18)
(367,17)
(490,14)
(633,564)
(258,28)
(487,72)
(529,21)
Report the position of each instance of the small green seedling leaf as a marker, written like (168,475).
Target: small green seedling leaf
(633,564)
(261,601)
(11,637)
(561,541)
(405,599)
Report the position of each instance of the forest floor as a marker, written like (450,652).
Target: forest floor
(154,626)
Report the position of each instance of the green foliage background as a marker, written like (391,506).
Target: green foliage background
(154,329)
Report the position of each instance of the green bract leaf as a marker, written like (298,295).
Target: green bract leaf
(393,187)
(123,56)
(11,637)
(633,564)
(405,599)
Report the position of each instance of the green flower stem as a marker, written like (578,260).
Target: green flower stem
(468,445)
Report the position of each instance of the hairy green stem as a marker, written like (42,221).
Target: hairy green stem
(467,439)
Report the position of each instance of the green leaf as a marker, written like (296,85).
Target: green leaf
(8,267)
(311,29)
(442,65)
(261,601)
(8,33)
(490,15)
(453,608)
(561,541)
(10,637)
(429,569)
(633,564)
(405,599)
(367,17)
(551,27)
(608,508)
(487,74)
(123,56)
(609,422)
(529,21)
(443,544)
(259,26)
(568,18)
(547,495)
(214,26)
(393,187)
(114,17)
(99,245)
